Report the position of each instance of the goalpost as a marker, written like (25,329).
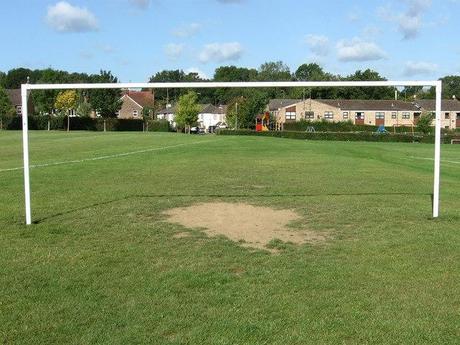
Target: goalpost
(26,88)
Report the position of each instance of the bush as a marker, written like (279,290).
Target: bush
(341,126)
(343,136)
(158,126)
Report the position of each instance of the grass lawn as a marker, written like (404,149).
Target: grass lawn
(102,266)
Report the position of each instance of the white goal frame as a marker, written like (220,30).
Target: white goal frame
(25,88)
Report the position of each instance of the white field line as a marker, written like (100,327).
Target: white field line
(432,159)
(107,156)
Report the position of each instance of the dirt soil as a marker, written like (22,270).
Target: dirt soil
(251,226)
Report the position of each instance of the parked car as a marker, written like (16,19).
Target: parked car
(221,125)
(197,130)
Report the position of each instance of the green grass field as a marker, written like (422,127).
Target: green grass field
(101,264)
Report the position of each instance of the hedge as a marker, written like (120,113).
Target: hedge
(341,126)
(343,136)
(87,124)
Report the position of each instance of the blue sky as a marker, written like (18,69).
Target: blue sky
(402,39)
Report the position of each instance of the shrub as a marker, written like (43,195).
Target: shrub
(343,136)
(341,126)
(158,126)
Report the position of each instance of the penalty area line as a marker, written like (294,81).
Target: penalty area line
(432,159)
(117,155)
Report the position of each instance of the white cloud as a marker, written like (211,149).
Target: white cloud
(173,50)
(413,68)
(142,4)
(409,22)
(198,71)
(187,30)
(220,52)
(63,17)
(318,44)
(359,50)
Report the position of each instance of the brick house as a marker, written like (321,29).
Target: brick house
(16,100)
(363,112)
(134,103)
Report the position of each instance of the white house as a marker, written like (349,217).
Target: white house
(209,115)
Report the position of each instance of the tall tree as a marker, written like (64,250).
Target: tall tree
(313,72)
(66,101)
(229,74)
(451,86)
(106,102)
(164,96)
(274,71)
(380,92)
(187,110)
(6,108)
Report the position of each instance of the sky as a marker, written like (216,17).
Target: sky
(401,39)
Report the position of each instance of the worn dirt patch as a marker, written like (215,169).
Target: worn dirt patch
(250,226)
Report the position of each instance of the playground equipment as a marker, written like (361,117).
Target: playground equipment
(263,122)
(381,130)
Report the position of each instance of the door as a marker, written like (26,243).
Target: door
(458,120)
(359,118)
(380,119)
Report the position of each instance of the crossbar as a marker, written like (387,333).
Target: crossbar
(25,88)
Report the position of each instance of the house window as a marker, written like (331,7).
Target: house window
(328,115)
(359,116)
(380,115)
(406,115)
(447,116)
(135,113)
(290,115)
(345,115)
(19,110)
(98,113)
(309,115)
(394,115)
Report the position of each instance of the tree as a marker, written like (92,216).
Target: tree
(187,110)
(66,101)
(379,92)
(451,86)
(234,115)
(313,72)
(106,102)
(6,108)
(229,74)
(425,122)
(2,79)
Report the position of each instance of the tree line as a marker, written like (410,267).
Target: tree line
(250,101)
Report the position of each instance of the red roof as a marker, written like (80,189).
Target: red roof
(143,98)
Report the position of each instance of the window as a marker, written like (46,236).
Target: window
(345,115)
(290,115)
(309,115)
(380,115)
(328,115)
(406,115)
(447,116)
(135,113)
(19,110)
(359,116)
(394,115)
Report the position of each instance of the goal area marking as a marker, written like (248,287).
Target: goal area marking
(26,88)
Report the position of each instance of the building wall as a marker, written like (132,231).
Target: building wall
(319,109)
(129,108)
(206,119)
(392,117)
